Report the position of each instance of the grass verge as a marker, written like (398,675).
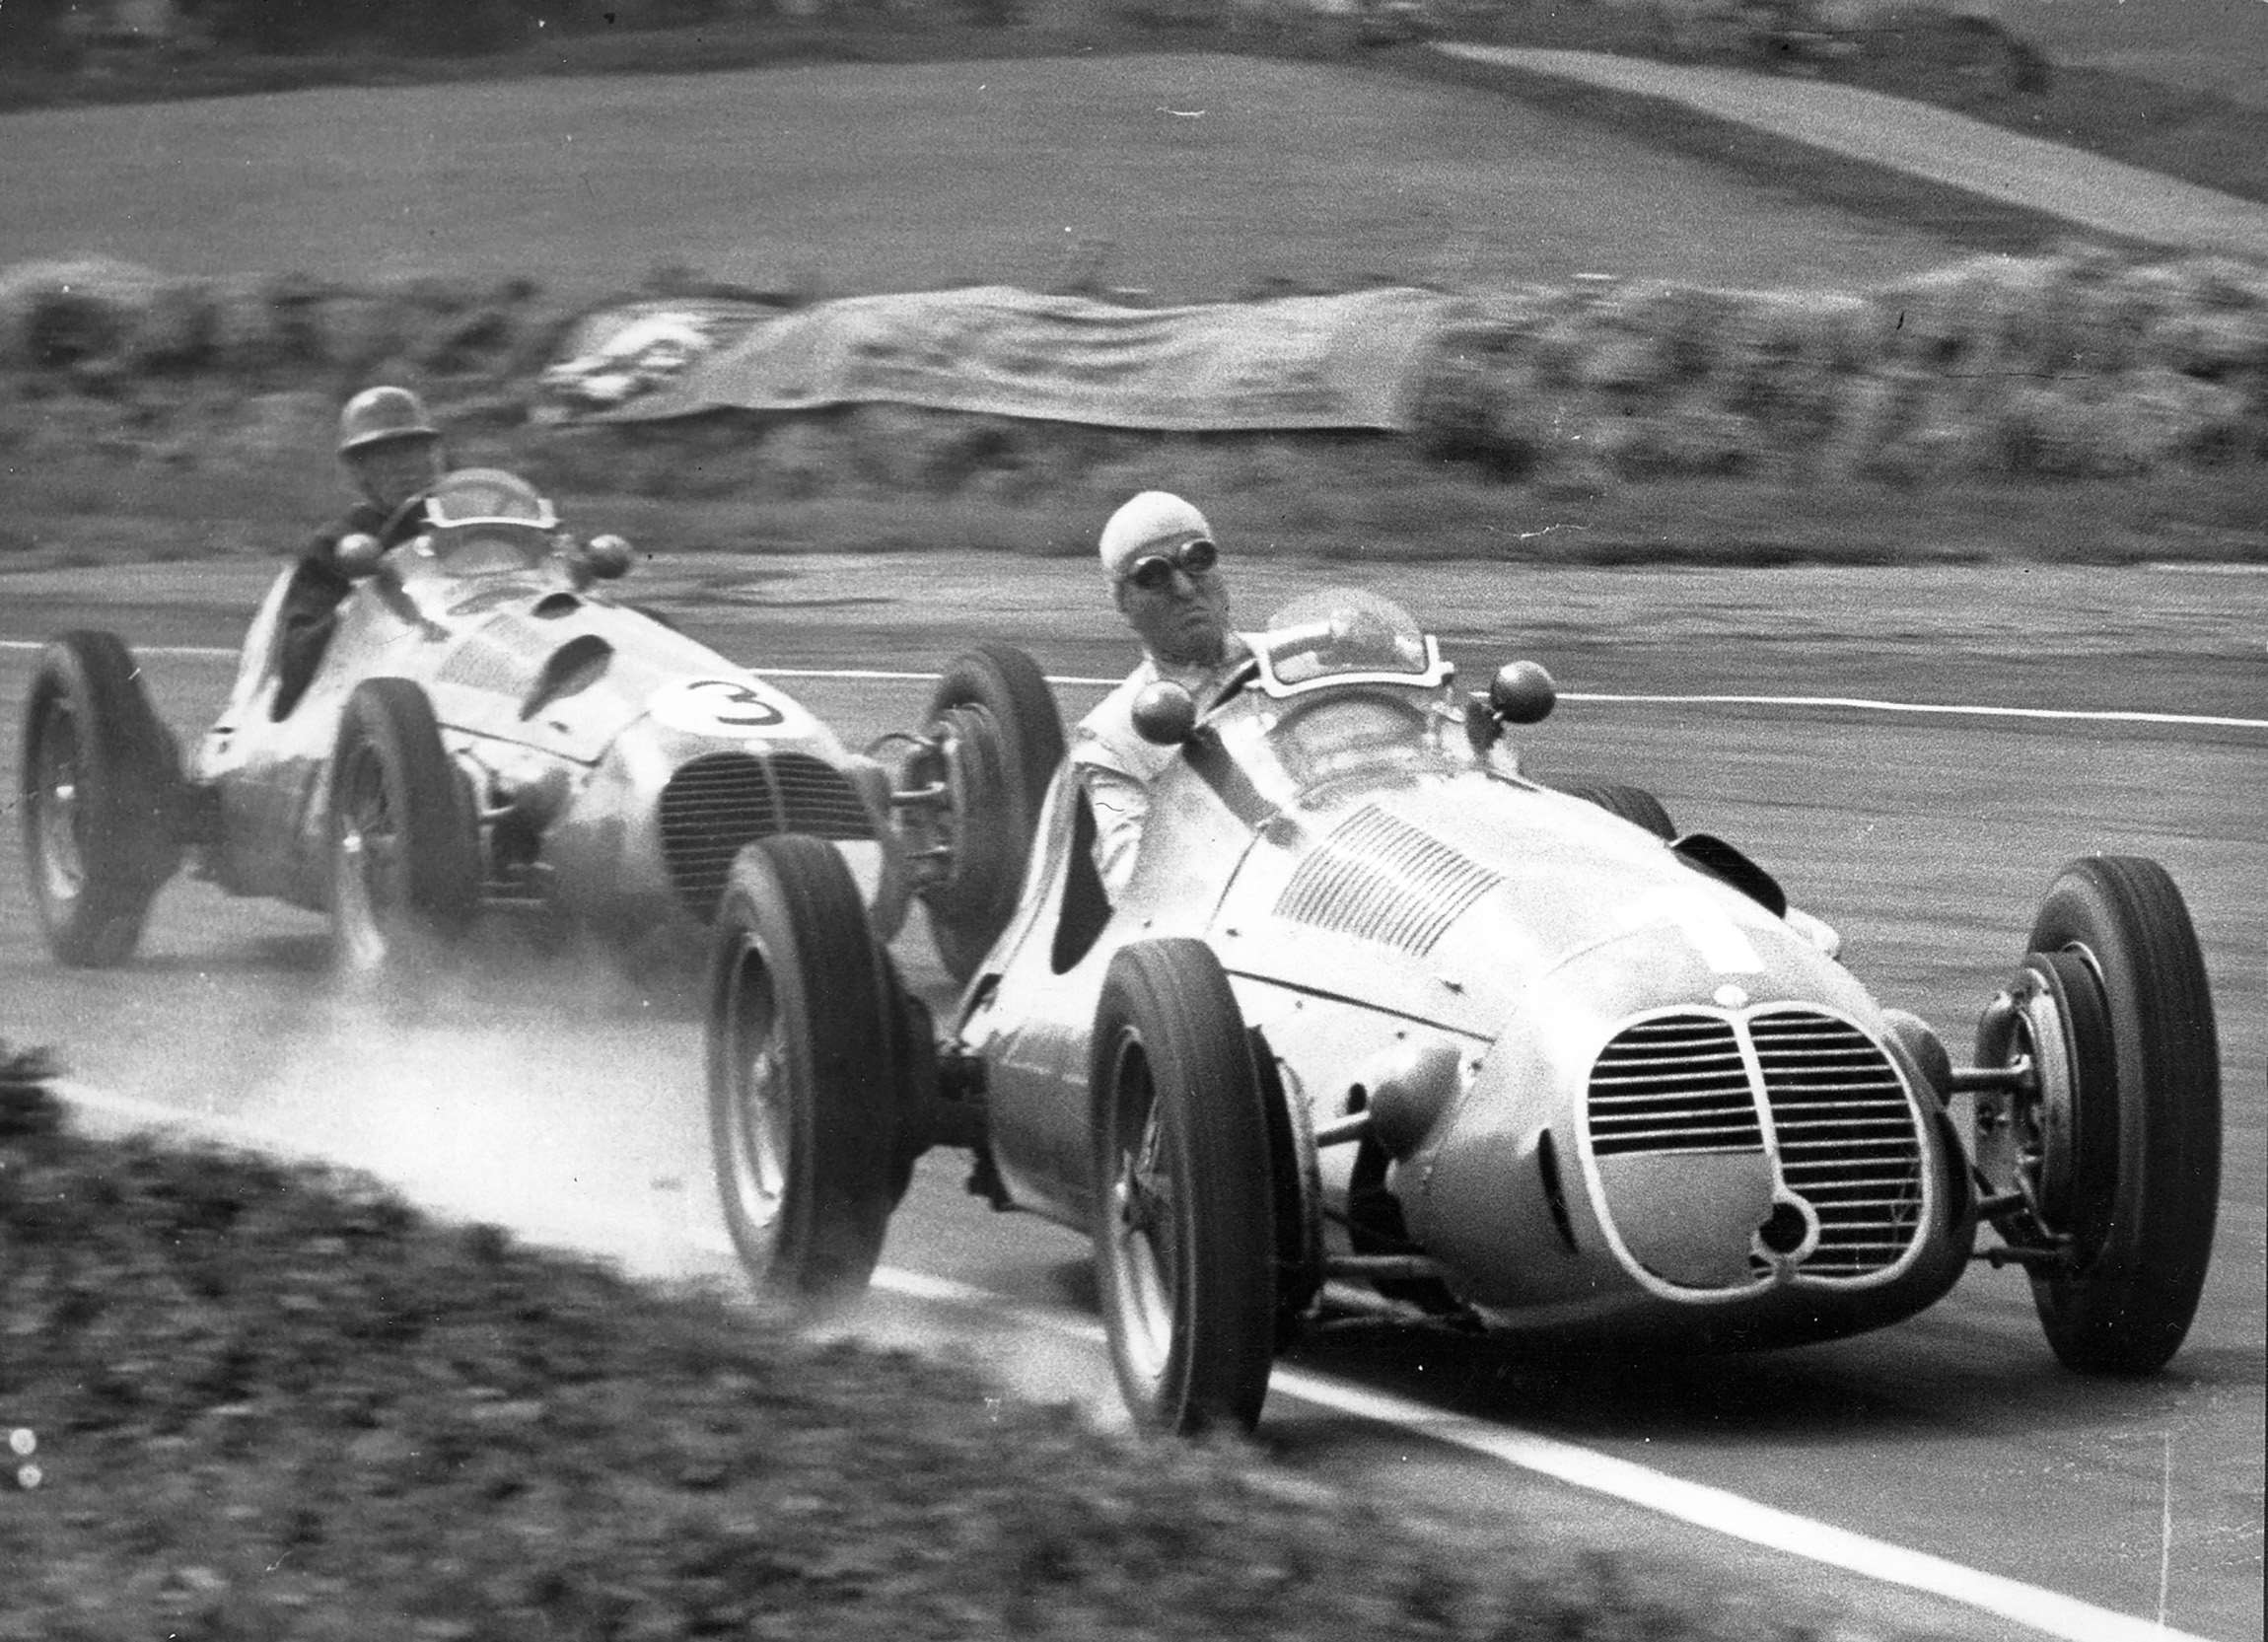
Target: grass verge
(267,1401)
(1357,502)
(1933,55)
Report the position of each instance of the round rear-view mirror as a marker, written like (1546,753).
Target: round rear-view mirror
(358,556)
(1165,714)
(1522,693)
(608,556)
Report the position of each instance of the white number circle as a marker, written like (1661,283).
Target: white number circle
(720,707)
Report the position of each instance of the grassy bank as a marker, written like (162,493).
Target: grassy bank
(268,1402)
(1944,57)
(2086,404)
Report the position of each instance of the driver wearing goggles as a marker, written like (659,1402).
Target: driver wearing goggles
(1165,576)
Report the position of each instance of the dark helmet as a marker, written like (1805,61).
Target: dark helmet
(377,415)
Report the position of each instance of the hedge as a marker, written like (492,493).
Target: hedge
(2084,363)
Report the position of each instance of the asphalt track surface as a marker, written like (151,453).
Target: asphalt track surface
(1925,142)
(566,1099)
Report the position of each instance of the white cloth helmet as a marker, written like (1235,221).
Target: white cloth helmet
(1154,522)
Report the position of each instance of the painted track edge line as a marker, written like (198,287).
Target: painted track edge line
(1850,703)
(1732,1515)
(1751,1521)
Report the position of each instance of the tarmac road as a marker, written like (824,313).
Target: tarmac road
(567,1100)
(1935,144)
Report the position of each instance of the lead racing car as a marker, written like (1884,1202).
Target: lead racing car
(1382,1023)
(487,727)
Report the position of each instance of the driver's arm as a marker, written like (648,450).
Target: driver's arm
(1121,804)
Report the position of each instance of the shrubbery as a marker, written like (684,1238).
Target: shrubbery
(2082,365)
(276,1401)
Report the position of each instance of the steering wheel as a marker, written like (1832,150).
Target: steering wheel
(1242,677)
(400,513)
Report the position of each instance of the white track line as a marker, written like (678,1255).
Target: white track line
(1848,702)
(1721,1511)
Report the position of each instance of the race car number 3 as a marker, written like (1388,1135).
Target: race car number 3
(718,707)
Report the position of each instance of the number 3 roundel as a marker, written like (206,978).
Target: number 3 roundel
(720,707)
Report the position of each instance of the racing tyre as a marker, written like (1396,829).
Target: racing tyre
(2116,1147)
(405,853)
(1002,739)
(805,1086)
(1633,804)
(100,786)
(1184,1232)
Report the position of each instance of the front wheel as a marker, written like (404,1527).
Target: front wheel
(2115,1144)
(806,1082)
(405,852)
(100,786)
(999,739)
(1185,1227)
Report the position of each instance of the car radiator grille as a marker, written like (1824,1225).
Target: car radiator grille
(1673,1085)
(1848,1146)
(1843,1127)
(717,804)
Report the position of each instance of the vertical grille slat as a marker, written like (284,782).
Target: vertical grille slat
(719,802)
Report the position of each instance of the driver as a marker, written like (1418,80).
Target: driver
(1165,576)
(390,450)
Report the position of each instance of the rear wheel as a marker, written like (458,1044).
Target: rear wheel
(806,1093)
(1633,804)
(405,853)
(100,788)
(1000,738)
(1184,1232)
(2115,1146)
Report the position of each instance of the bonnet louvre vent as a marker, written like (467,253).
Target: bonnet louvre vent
(502,656)
(1379,878)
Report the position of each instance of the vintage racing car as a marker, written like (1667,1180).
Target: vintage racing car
(485,726)
(1383,1025)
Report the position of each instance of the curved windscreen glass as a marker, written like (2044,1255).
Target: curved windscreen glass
(484,496)
(484,519)
(1344,635)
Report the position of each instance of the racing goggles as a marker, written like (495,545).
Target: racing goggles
(1153,572)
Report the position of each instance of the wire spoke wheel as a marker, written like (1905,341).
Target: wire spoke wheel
(757,1118)
(2113,1141)
(99,791)
(805,1074)
(52,800)
(1185,1190)
(1000,738)
(405,866)
(1141,1260)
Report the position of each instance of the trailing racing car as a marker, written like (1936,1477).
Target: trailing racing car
(487,727)
(1380,1024)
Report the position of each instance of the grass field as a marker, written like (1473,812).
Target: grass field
(1181,175)
(1190,177)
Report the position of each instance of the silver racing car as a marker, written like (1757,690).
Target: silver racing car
(487,727)
(1381,1025)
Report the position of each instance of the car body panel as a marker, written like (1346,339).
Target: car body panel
(1646,1106)
(556,703)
